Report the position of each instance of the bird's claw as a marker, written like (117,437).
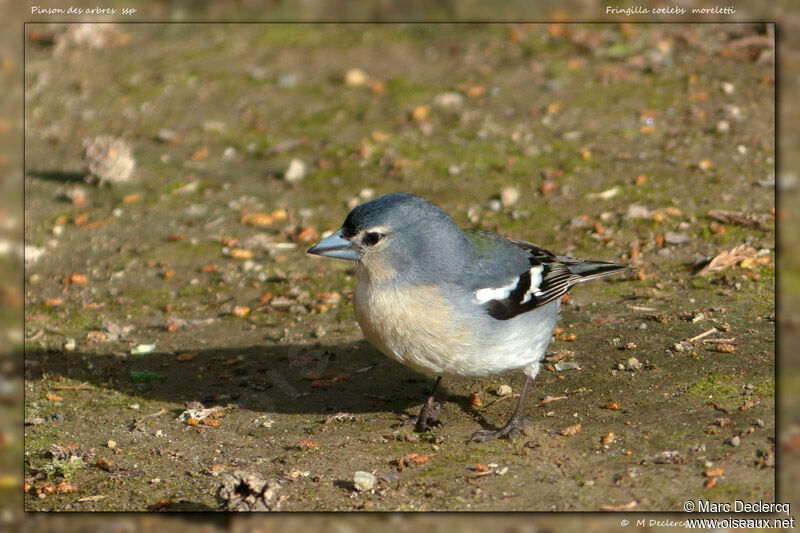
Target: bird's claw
(429,416)
(509,431)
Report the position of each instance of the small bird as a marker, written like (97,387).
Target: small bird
(448,302)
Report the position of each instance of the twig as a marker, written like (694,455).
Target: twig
(727,341)
(548,399)
(71,387)
(718,407)
(640,308)
(515,395)
(35,336)
(704,334)
(141,419)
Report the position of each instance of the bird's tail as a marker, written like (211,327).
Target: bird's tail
(588,270)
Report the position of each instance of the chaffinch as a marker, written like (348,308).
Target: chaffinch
(448,302)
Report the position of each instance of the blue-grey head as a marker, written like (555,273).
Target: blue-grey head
(398,236)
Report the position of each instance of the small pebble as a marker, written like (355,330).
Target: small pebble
(728,88)
(69,345)
(633,364)
(112,444)
(495,205)
(108,160)
(450,100)
(142,349)
(503,390)
(364,481)
(169,136)
(723,126)
(509,196)
(296,171)
(567,365)
(287,80)
(355,77)
(735,441)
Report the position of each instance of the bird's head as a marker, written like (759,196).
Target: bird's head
(397,234)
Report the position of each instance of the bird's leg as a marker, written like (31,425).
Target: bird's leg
(513,426)
(429,414)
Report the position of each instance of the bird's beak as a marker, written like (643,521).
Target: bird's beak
(337,247)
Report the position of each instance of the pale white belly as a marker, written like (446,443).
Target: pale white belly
(416,327)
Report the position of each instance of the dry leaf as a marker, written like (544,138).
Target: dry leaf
(306,234)
(241,311)
(258,219)
(241,253)
(66,486)
(728,258)
(104,464)
(420,113)
(571,430)
(412,459)
(162,504)
(612,406)
(714,472)
(201,154)
(78,278)
(475,400)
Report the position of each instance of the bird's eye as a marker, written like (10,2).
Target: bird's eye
(372,238)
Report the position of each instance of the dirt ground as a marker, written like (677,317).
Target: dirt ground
(189,283)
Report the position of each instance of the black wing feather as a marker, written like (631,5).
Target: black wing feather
(559,274)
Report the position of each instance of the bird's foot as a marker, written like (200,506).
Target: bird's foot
(506,432)
(429,416)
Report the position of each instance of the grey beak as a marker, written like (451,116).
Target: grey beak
(337,247)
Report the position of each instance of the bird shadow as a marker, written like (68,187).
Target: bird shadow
(58,175)
(280,378)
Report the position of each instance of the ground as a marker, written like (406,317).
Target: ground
(189,283)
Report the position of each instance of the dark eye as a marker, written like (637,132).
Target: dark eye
(372,238)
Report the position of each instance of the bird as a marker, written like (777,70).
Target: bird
(449,302)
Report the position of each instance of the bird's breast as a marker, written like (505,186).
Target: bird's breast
(413,325)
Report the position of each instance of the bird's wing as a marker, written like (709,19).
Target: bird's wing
(514,277)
